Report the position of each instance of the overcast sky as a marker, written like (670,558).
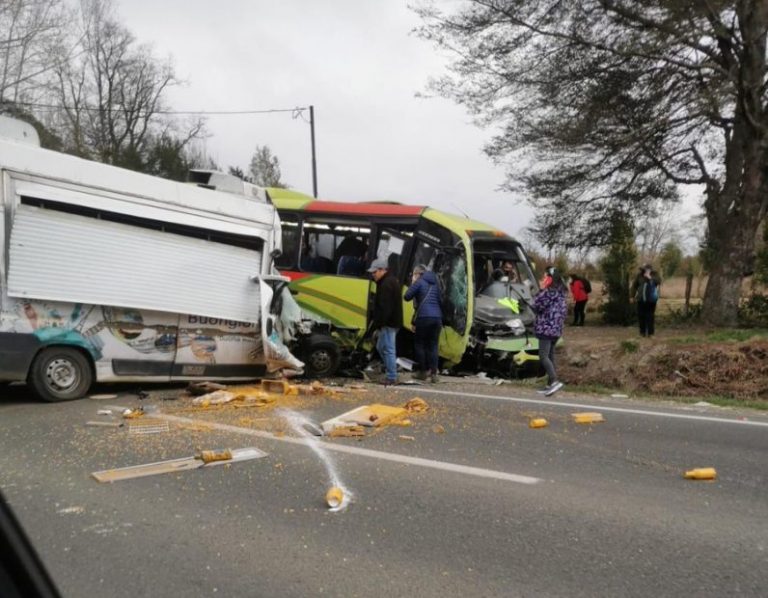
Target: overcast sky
(358,64)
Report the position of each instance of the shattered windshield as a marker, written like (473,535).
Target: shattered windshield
(502,269)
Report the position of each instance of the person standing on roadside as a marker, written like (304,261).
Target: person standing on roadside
(580,298)
(427,321)
(387,316)
(645,290)
(551,310)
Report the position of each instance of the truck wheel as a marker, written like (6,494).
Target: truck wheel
(321,356)
(60,374)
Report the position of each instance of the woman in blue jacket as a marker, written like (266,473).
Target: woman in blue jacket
(428,320)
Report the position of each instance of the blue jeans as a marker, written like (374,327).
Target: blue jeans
(385,345)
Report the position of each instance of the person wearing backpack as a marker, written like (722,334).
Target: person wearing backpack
(427,321)
(646,293)
(580,289)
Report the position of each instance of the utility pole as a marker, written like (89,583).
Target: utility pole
(314,162)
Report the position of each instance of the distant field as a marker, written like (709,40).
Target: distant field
(672,292)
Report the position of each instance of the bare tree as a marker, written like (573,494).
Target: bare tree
(28,29)
(111,94)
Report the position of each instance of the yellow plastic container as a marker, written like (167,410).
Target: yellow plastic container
(701,473)
(334,497)
(587,418)
(538,422)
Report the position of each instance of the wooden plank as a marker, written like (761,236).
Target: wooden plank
(172,466)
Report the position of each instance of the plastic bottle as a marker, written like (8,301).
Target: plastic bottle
(701,473)
(334,497)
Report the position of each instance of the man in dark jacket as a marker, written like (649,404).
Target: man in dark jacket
(427,321)
(387,316)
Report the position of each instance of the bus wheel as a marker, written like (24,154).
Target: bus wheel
(60,374)
(321,356)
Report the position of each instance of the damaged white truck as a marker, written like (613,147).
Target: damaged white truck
(111,275)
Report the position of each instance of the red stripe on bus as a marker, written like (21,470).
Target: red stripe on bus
(367,209)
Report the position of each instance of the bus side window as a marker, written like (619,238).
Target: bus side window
(288,260)
(335,248)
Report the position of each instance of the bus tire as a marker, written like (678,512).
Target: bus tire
(321,356)
(60,374)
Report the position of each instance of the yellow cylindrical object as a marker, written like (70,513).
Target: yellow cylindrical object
(211,456)
(588,418)
(701,473)
(538,422)
(334,497)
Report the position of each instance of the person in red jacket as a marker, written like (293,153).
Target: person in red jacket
(580,298)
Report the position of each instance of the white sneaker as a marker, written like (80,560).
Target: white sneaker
(554,387)
(543,390)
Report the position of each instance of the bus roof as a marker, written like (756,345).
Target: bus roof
(288,199)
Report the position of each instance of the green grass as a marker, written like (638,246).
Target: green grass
(629,346)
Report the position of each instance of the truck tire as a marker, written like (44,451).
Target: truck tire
(321,356)
(60,374)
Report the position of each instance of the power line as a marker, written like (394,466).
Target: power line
(298,110)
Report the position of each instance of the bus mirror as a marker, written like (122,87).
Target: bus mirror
(275,253)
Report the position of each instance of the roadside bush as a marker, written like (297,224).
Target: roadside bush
(754,311)
(677,315)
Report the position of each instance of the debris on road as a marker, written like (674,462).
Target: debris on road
(105,424)
(133,413)
(204,388)
(538,422)
(281,387)
(701,473)
(405,437)
(367,415)
(148,426)
(587,417)
(102,397)
(175,465)
(416,405)
(217,397)
(438,429)
(347,432)
(334,497)
(104,412)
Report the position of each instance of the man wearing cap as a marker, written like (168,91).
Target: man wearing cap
(387,316)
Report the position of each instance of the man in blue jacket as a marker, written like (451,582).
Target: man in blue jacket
(427,321)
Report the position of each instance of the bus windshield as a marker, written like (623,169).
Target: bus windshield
(500,264)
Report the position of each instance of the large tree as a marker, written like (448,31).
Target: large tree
(612,104)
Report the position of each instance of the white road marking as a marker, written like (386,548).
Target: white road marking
(546,402)
(353,450)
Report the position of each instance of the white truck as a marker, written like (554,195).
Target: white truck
(111,275)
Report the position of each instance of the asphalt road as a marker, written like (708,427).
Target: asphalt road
(490,507)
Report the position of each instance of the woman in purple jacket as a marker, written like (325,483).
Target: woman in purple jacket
(551,309)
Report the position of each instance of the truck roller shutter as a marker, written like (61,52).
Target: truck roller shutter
(60,256)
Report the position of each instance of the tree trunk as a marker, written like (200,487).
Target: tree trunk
(732,236)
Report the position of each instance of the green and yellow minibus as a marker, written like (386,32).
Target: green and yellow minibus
(327,246)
